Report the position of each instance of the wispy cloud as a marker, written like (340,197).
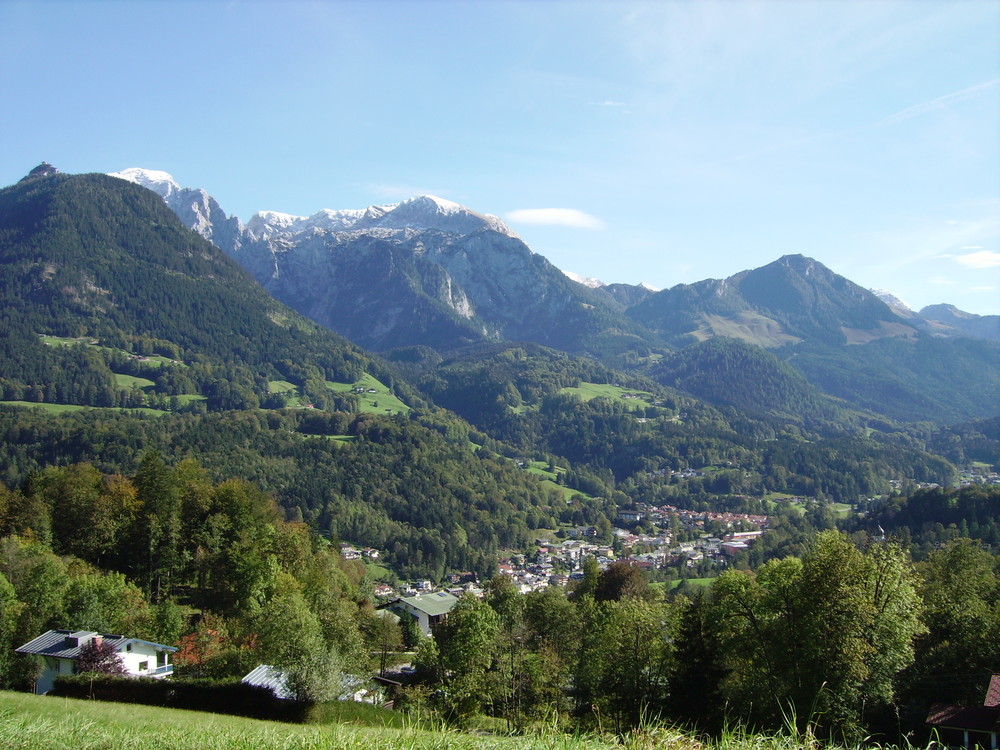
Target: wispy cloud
(982,259)
(940,102)
(555,217)
(609,103)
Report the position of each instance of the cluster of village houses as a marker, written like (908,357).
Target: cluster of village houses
(556,563)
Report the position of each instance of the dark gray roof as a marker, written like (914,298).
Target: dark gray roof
(66,644)
(972,718)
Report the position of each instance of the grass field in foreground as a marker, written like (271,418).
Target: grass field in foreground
(30,722)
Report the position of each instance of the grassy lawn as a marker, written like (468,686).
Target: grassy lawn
(541,468)
(588,391)
(671,585)
(280,386)
(30,722)
(51,408)
(340,438)
(61,408)
(131,381)
(159,361)
(379,402)
(842,510)
(63,341)
(187,398)
(377,572)
(567,492)
(156,360)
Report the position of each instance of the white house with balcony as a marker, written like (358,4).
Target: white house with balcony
(58,651)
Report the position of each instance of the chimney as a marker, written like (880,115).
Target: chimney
(98,639)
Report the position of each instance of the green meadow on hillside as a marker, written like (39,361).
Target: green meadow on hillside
(549,478)
(587,391)
(61,408)
(374,397)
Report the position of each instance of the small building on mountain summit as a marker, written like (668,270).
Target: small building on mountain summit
(58,651)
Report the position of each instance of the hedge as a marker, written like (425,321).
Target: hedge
(215,696)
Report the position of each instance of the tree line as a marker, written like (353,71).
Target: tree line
(169,556)
(854,641)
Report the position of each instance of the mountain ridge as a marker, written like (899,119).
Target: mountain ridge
(400,283)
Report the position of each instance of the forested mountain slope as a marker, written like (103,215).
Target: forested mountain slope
(109,301)
(97,259)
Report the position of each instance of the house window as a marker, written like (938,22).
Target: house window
(128,646)
(143,666)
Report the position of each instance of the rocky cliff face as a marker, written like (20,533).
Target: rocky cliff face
(195,208)
(425,271)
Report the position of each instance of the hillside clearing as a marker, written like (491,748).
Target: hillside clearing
(631,398)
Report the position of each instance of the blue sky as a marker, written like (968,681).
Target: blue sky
(661,142)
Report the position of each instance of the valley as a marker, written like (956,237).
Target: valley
(172,434)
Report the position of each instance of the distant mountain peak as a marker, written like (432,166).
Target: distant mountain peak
(161,183)
(892,300)
(432,212)
(587,281)
(944,309)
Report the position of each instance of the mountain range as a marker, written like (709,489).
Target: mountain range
(462,440)
(429,272)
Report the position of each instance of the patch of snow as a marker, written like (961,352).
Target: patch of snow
(585,280)
(891,299)
(159,182)
(648,287)
(277,218)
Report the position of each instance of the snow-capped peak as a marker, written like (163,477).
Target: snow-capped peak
(432,212)
(278,218)
(267,223)
(648,287)
(585,280)
(891,300)
(159,182)
(419,213)
(441,205)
